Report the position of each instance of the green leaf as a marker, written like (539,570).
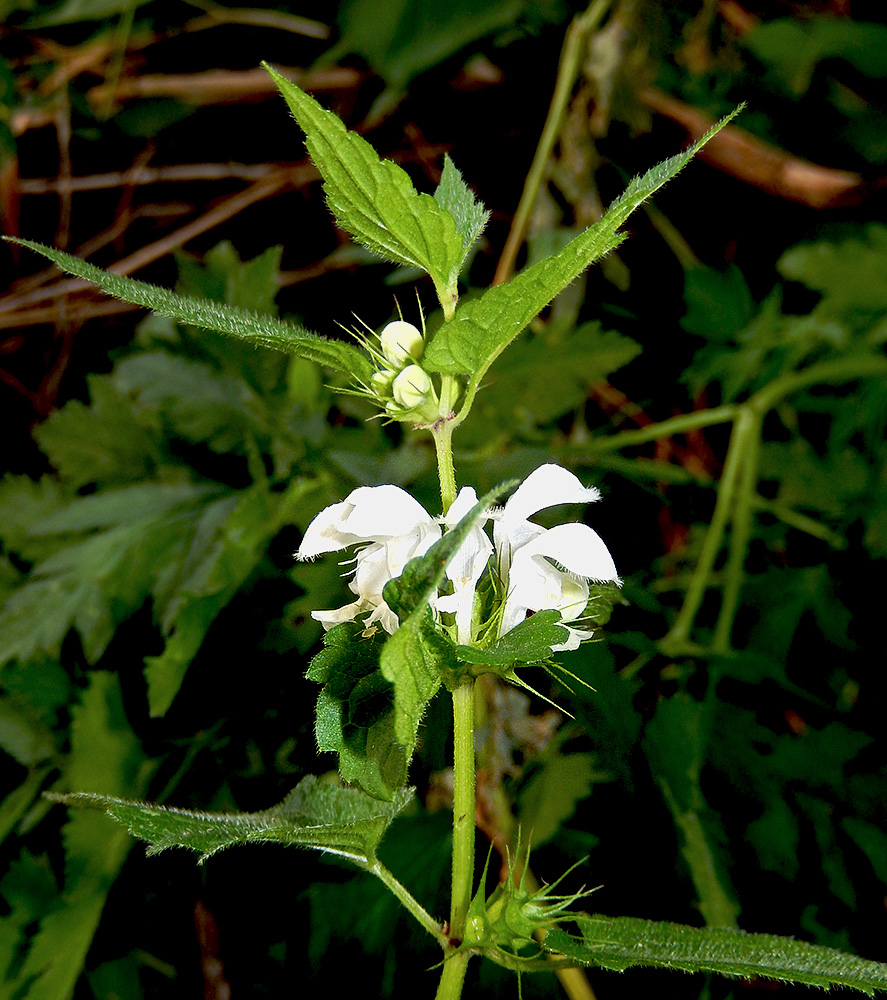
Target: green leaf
(454,196)
(198,403)
(355,711)
(374,199)
(249,326)
(402,38)
(528,642)
(103,442)
(316,814)
(574,363)
(553,792)
(482,328)
(623,942)
(230,539)
(93,582)
(676,745)
(105,757)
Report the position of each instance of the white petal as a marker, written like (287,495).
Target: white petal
(325,534)
(381,512)
(345,614)
(547,486)
(580,550)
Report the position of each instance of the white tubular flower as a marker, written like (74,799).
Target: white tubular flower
(392,527)
(549,568)
(467,565)
(412,387)
(401,343)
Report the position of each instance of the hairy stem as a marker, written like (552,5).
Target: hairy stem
(407,899)
(443,443)
(463,806)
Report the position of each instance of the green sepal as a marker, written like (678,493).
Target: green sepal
(482,328)
(342,821)
(355,711)
(374,199)
(622,942)
(255,328)
(528,642)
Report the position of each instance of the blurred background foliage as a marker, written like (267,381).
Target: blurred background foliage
(155,630)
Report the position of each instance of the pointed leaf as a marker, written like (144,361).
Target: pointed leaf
(241,323)
(374,199)
(482,328)
(454,196)
(622,942)
(342,821)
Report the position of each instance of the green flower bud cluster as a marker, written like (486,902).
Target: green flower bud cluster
(510,919)
(404,387)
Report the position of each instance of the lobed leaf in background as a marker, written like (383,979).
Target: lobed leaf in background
(105,756)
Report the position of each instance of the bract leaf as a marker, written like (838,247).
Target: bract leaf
(355,711)
(482,328)
(622,942)
(528,642)
(342,821)
(454,196)
(374,199)
(241,323)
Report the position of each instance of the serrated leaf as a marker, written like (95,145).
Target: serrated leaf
(199,403)
(355,713)
(552,794)
(482,328)
(230,539)
(373,199)
(454,196)
(252,327)
(342,821)
(623,942)
(528,642)
(102,442)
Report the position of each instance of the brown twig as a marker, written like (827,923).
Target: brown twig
(222,86)
(758,163)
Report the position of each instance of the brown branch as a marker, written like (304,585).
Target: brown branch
(221,86)
(758,163)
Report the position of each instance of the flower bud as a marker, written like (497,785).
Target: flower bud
(412,387)
(381,381)
(401,343)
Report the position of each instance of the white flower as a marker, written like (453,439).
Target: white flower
(392,529)
(401,343)
(467,565)
(549,568)
(542,568)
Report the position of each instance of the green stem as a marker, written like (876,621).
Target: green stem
(443,443)
(663,429)
(411,904)
(749,428)
(455,961)
(678,634)
(453,976)
(463,806)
